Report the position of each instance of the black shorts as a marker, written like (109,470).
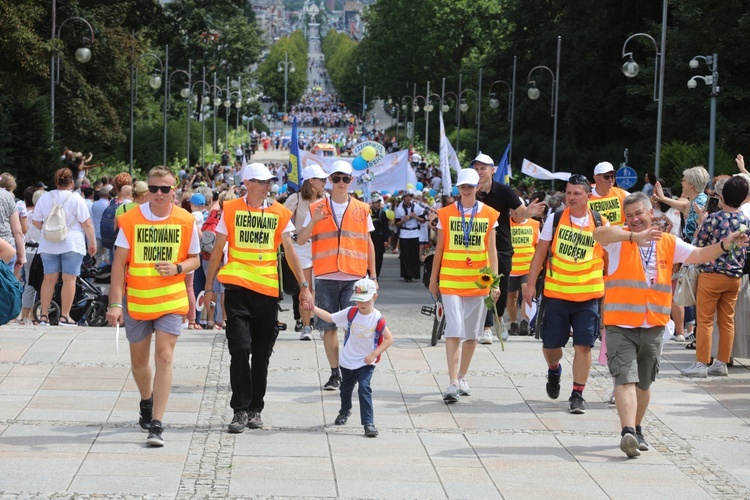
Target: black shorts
(515,282)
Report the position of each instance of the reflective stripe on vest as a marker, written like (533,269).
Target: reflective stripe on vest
(610,206)
(345,250)
(456,276)
(629,299)
(254,236)
(523,237)
(575,270)
(150,295)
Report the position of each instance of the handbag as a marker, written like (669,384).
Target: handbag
(289,283)
(687,283)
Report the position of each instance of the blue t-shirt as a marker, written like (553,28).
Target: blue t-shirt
(691,221)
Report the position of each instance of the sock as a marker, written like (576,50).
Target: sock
(578,387)
(555,369)
(461,376)
(454,381)
(638,429)
(627,430)
(336,372)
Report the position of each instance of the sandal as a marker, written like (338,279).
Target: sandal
(691,346)
(66,321)
(43,320)
(194,326)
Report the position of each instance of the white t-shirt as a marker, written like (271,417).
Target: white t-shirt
(410,228)
(546,233)
(361,340)
(436,182)
(745,209)
(338,214)
(122,240)
(76,212)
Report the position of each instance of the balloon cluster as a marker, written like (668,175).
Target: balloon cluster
(367,155)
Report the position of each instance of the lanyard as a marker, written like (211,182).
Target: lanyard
(646,258)
(467,227)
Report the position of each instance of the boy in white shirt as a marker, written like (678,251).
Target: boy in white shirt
(367,337)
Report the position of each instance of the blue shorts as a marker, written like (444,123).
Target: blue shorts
(561,315)
(68,263)
(332,296)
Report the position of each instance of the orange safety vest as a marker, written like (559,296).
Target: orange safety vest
(254,236)
(575,269)
(610,206)
(523,237)
(629,299)
(149,294)
(343,249)
(456,276)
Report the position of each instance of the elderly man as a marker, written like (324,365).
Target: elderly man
(637,306)
(605,198)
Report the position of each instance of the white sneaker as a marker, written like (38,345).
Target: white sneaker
(485,337)
(679,338)
(463,387)
(504,333)
(718,369)
(697,370)
(452,394)
(306,333)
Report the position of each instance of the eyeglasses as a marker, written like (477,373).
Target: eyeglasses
(341,178)
(265,183)
(578,179)
(156,189)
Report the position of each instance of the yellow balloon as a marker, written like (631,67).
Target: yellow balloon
(358,192)
(390,214)
(368,153)
(410,186)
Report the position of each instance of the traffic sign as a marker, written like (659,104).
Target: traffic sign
(626,177)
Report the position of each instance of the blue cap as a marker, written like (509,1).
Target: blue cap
(198,200)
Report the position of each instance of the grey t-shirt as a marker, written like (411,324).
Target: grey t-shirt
(7,207)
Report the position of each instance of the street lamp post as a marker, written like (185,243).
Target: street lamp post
(463,107)
(287,67)
(495,103)
(185,94)
(154,82)
(203,101)
(534,93)
(83,55)
(630,69)
(712,80)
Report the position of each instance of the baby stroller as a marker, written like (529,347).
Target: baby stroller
(438,324)
(89,303)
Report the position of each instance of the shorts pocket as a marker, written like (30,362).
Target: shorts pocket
(613,364)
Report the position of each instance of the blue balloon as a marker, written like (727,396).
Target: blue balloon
(420,186)
(359,163)
(433,192)
(385,191)
(283,189)
(454,191)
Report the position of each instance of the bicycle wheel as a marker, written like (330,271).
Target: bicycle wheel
(53,314)
(436,330)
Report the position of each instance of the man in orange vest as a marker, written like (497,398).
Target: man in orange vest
(342,253)
(524,234)
(253,226)
(637,306)
(159,244)
(573,285)
(605,197)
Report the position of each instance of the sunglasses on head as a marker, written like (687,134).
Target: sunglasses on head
(156,189)
(265,183)
(578,179)
(339,178)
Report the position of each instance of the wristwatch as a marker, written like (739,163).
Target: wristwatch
(179,269)
(305,284)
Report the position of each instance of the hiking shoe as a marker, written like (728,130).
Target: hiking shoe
(642,443)
(485,337)
(239,422)
(155,432)
(147,413)
(679,338)
(342,417)
(629,445)
(718,369)
(577,403)
(306,333)
(298,326)
(463,387)
(333,383)
(513,329)
(524,328)
(371,431)
(451,394)
(553,382)
(254,421)
(697,370)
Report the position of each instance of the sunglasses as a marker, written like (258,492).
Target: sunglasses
(341,178)
(578,179)
(265,183)
(156,189)
(609,177)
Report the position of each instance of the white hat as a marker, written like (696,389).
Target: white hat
(603,168)
(341,167)
(364,290)
(257,171)
(375,197)
(468,176)
(482,158)
(314,172)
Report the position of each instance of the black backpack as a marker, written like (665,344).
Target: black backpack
(107,225)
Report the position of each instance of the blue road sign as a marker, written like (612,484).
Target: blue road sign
(626,177)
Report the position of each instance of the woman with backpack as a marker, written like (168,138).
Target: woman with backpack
(66,227)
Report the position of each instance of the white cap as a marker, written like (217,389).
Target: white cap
(468,177)
(482,158)
(603,168)
(364,290)
(341,167)
(257,171)
(375,197)
(313,171)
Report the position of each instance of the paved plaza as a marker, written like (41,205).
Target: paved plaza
(69,423)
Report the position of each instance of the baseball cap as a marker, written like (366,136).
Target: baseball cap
(364,290)
(314,172)
(40,184)
(257,171)
(341,167)
(603,168)
(375,198)
(198,200)
(468,176)
(482,158)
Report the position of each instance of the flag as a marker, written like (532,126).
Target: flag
(502,174)
(448,159)
(537,172)
(294,175)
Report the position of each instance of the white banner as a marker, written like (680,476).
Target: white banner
(537,172)
(448,159)
(392,173)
